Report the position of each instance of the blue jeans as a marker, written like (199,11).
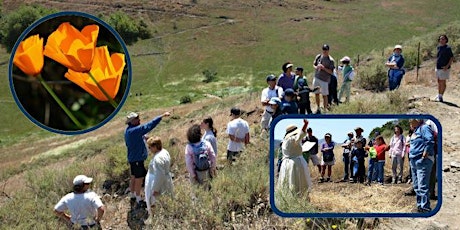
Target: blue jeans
(371,175)
(380,170)
(420,170)
(394,78)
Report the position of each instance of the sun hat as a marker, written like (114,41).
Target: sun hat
(327,135)
(82,179)
(289,65)
(291,130)
(351,133)
(359,128)
(398,47)
(131,116)
(346,58)
(274,101)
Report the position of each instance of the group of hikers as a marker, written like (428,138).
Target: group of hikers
(287,94)
(83,209)
(299,146)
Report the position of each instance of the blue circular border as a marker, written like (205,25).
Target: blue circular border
(46,18)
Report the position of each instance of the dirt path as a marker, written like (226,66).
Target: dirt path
(448,114)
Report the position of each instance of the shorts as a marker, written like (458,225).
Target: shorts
(314,159)
(328,162)
(323,86)
(442,74)
(138,169)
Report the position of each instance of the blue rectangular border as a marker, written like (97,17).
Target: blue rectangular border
(355,215)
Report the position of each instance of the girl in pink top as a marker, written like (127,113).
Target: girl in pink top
(195,150)
(397,147)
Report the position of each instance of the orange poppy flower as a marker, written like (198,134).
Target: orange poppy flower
(29,55)
(72,48)
(107,71)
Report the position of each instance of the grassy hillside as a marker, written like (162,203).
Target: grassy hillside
(242,41)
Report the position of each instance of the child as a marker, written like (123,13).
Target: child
(357,155)
(289,104)
(348,74)
(303,91)
(380,147)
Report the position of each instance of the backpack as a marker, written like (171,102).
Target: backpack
(200,157)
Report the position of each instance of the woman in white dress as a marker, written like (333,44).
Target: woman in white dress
(158,179)
(294,173)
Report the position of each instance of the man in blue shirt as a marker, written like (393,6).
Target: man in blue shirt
(137,151)
(444,60)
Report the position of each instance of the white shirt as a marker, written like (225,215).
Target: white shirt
(82,207)
(238,128)
(268,93)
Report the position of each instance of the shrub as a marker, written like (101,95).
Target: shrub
(15,22)
(185,99)
(128,28)
(209,76)
(374,77)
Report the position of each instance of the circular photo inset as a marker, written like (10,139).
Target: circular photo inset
(70,72)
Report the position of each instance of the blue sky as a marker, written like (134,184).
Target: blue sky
(338,127)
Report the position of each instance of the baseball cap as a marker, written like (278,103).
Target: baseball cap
(82,179)
(289,92)
(325,47)
(398,47)
(271,77)
(274,101)
(131,116)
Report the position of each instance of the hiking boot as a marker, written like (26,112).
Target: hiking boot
(321,180)
(318,111)
(141,205)
(409,181)
(328,179)
(410,192)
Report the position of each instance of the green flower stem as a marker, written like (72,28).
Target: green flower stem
(111,101)
(60,103)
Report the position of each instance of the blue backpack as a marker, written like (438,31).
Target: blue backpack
(200,157)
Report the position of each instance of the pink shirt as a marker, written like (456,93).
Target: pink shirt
(189,159)
(397,146)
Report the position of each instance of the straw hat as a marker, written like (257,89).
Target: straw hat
(291,130)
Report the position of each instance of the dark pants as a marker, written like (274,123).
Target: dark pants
(305,107)
(433,175)
(361,171)
(347,166)
(332,97)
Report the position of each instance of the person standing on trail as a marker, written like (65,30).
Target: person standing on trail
(302,91)
(85,207)
(444,60)
(210,133)
(327,148)
(396,71)
(324,68)
(312,154)
(200,159)
(238,133)
(158,180)
(396,148)
(347,148)
(348,74)
(137,151)
(268,93)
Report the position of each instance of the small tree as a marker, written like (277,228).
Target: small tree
(209,76)
(128,28)
(15,22)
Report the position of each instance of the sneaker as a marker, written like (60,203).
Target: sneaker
(438,98)
(318,111)
(433,197)
(321,180)
(328,179)
(409,181)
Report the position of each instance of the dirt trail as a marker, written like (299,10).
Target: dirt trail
(448,114)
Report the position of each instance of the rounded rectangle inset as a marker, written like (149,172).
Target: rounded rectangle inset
(356,165)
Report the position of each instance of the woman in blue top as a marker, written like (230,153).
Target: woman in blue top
(395,64)
(327,148)
(421,157)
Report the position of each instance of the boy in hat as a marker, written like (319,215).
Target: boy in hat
(272,91)
(303,91)
(357,156)
(288,103)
